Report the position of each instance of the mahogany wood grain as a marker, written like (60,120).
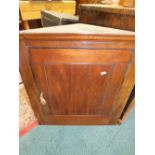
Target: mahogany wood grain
(126,89)
(79,120)
(28,37)
(67,95)
(29,82)
(121,44)
(70,76)
(79,55)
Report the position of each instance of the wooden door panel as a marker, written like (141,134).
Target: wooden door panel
(77,89)
(115,83)
(62,87)
(76,86)
(38,72)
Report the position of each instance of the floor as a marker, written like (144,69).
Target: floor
(27,120)
(81,140)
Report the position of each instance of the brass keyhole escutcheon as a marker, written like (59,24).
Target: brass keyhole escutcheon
(42,99)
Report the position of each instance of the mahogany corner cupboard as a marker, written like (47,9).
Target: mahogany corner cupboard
(77,74)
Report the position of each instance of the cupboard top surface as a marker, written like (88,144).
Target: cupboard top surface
(78,29)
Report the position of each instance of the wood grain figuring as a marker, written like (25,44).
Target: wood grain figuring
(28,80)
(41,84)
(126,89)
(87,84)
(114,86)
(64,86)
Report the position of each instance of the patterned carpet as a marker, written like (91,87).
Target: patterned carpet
(27,120)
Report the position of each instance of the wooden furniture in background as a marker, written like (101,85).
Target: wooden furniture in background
(78,2)
(108,15)
(111,2)
(31,10)
(77,74)
(22,24)
(127,3)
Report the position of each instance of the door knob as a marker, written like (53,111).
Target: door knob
(103,73)
(42,99)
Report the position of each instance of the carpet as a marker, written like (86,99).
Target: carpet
(27,120)
(81,140)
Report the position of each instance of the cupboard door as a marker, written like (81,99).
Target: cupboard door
(73,89)
(78,83)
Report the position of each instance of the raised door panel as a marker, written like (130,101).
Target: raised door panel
(78,82)
(73,89)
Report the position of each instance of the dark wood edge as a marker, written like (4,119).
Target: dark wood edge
(131,106)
